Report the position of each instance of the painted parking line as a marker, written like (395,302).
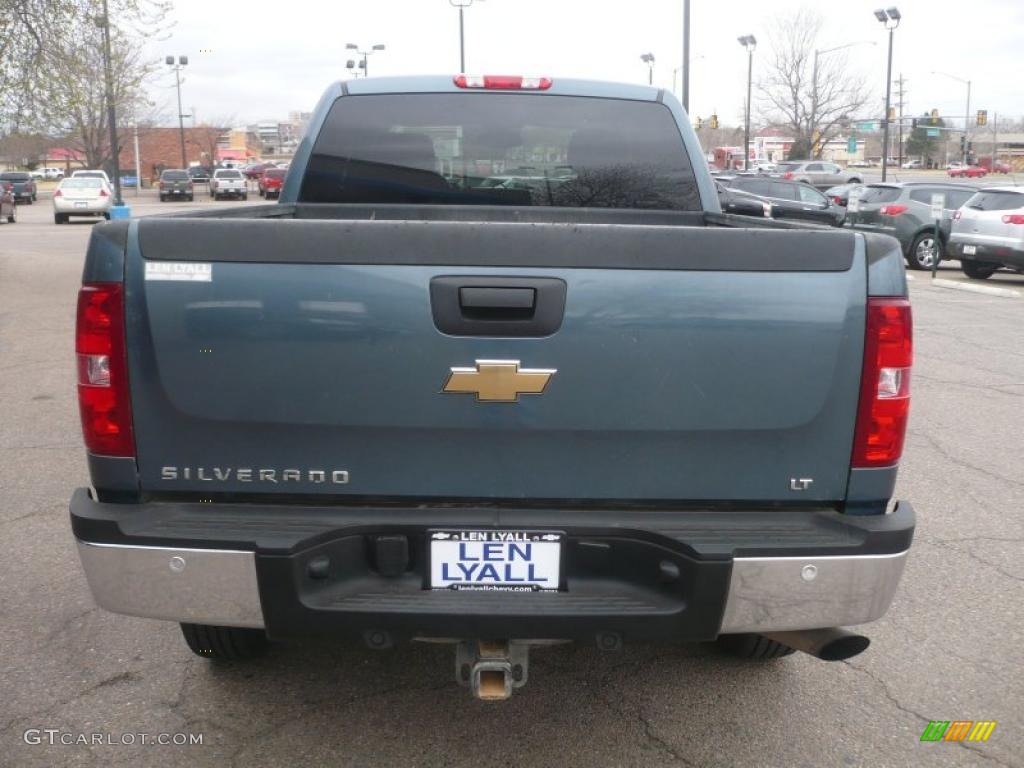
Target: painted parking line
(988,290)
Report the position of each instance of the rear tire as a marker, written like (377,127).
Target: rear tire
(752,646)
(978,270)
(245,197)
(922,251)
(854,181)
(60,218)
(224,643)
(12,218)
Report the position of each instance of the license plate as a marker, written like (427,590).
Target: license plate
(81,205)
(970,250)
(516,561)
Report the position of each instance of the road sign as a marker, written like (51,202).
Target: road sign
(851,145)
(932,132)
(938,206)
(867,126)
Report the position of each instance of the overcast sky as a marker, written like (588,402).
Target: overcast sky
(260,59)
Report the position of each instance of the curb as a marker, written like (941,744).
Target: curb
(988,290)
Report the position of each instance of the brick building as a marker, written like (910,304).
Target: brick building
(160,148)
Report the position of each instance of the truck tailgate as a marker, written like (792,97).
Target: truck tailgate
(304,357)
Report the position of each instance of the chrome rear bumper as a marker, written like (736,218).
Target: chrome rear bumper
(219,587)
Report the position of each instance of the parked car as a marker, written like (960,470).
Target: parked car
(23,186)
(911,164)
(997,167)
(905,212)
(8,205)
(91,174)
(968,171)
(200,174)
(255,170)
(270,182)
(47,174)
(175,184)
(840,195)
(81,196)
(228,182)
(817,173)
(988,232)
(789,199)
(418,412)
(742,203)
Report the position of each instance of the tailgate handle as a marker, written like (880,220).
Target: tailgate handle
(497,306)
(509,303)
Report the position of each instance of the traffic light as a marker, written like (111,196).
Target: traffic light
(963,144)
(700,123)
(713,122)
(913,123)
(935,117)
(982,117)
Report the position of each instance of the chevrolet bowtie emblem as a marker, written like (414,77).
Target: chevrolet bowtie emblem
(498,381)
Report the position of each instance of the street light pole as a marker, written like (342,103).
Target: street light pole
(686,57)
(181,62)
(462,5)
(108,75)
(750,43)
(814,88)
(648,59)
(891,18)
(364,54)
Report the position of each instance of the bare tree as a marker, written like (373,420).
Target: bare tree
(813,105)
(75,94)
(39,37)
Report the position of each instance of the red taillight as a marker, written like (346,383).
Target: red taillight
(503,82)
(58,193)
(103,398)
(956,215)
(837,200)
(104,193)
(787,175)
(885,383)
(892,210)
(1013,218)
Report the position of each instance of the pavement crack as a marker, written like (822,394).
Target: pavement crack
(902,708)
(964,464)
(952,544)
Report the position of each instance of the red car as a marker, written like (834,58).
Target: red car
(971,171)
(270,182)
(254,171)
(1000,168)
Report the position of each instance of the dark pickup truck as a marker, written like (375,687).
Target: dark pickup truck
(23,186)
(410,402)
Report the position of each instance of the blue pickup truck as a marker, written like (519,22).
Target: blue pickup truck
(496,370)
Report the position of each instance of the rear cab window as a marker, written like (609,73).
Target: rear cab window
(494,149)
(996,200)
(228,174)
(11,176)
(175,176)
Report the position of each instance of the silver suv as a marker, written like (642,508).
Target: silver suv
(988,232)
(817,173)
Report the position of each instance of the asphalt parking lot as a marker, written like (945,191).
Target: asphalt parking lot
(949,649)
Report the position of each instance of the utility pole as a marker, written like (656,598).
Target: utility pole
(108,76)
(182,61)
(901,81)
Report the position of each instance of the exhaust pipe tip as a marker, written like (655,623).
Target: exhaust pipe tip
(831,644)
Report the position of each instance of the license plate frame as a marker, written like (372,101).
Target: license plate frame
(518,549)
(81,204)
(970,250)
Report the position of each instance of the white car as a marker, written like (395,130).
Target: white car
(81,196)
(228,182)
(91,174)
(912,164)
